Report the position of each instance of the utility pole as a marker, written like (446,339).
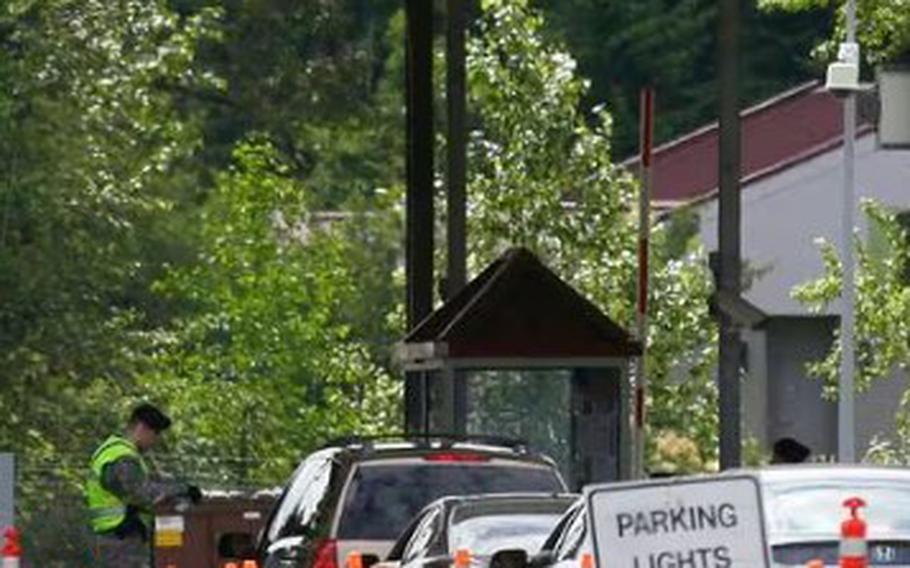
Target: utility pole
(729,233)
(419,202)
(646,135)
(846,446)
(457,147)
(456,234)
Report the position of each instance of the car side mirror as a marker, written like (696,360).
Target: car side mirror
(236,545)
(542,559)
(516,558)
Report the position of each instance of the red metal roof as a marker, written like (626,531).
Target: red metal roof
(776,133)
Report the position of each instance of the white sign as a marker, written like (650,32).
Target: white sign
(7,491)
(172,523)
(706,522)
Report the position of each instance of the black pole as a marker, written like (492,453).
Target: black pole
(456,105)
(729,233)
(419,221)
(457,147)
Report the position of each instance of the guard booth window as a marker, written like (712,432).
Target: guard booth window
(527,404)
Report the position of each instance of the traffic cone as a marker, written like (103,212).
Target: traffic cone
(355,560)
(462,558)
(12,549)
(853,550)
(587,560)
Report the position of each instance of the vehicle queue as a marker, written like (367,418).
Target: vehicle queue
(489,502)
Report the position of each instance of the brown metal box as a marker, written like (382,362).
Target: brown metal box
(189,539)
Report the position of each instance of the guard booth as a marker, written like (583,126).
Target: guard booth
(519,352)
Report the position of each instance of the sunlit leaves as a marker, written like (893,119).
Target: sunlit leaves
(883,26)
(882,338)
(265,365)
(542,176)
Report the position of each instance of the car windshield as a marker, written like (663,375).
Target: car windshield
(383,498)
(814,509)
(525,527)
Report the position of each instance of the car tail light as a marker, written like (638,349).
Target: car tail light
(326,554)
(456,457)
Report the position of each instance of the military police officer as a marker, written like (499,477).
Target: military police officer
(121,494)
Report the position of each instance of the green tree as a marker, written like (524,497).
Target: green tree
(312,77)
(91,169)
(671,45)
(882,335)
(542,176)
(883,29)
(265,366)
(882,301)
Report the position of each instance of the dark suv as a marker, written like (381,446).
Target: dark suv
(359,494)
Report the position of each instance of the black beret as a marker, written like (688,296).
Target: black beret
(151,416)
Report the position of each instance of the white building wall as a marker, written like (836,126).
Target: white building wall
(783,216)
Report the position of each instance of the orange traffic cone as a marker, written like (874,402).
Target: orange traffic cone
(853,550)
(355,560)
(462,558)
(12,549)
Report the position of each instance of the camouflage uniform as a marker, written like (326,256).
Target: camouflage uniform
(131,548)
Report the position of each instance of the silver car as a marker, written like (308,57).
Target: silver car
(804,508)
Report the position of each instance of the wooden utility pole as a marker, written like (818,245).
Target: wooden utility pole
(729,233)
(419,213)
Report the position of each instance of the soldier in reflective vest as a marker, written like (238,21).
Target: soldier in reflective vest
(121,494)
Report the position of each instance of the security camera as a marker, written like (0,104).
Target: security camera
(843,78)
(843,74)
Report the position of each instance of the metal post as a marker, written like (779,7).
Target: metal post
(729,233)
(419,221)
(644,231)
(456,276)
(457,147)
(7,490)
(846,446)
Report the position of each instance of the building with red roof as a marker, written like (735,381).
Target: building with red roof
(792,178)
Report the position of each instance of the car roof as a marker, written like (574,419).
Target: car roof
(821,472)
(386,447)
(453,500)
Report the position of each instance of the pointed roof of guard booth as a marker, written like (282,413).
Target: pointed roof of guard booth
(517,308)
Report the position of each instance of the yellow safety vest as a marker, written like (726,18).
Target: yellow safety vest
(106,510)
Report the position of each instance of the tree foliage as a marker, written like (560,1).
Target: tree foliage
(883,26)
(671,45)
(542,176)
(265,363)
(89,146)
(882,335)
